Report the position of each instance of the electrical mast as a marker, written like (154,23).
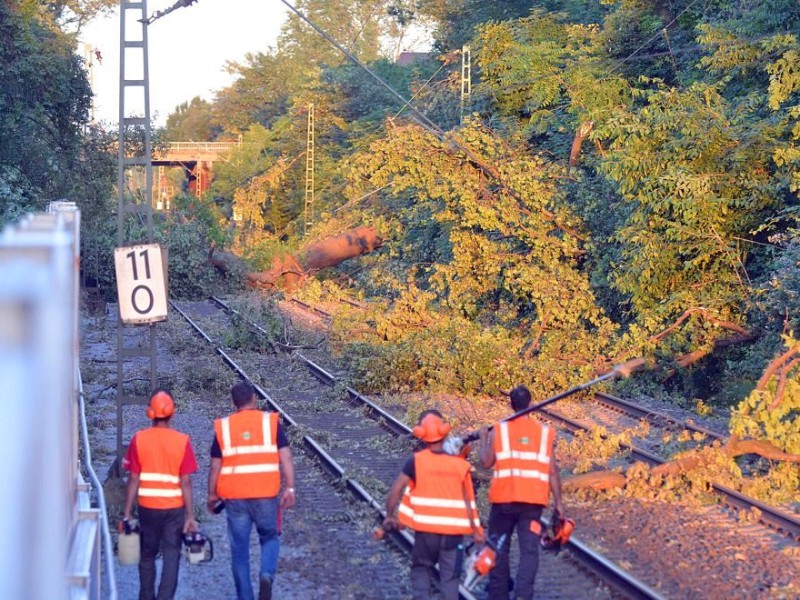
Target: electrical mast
(135,155)
(466,79)
(308,213)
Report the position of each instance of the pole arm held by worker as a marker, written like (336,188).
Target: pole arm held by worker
(623,369)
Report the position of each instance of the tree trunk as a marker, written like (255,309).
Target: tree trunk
(606,480)
(583,132)
(290,271)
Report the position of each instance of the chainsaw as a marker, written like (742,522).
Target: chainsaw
(480,561)
(198,547)
(562,530)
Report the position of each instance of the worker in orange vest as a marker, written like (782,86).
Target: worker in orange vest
(438,504)
(525,474)
(161,462)
(248,455)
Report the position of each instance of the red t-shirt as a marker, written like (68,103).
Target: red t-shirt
(131,460)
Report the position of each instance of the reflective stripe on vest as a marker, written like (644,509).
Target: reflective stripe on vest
(250,469)
(159,477)
(269,444)
(434,502)
(160,451)
(523,449)
(250,462)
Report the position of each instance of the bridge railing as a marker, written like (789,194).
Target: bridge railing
(50,546)
(201,146)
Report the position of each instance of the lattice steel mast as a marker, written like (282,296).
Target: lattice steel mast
(466,79)
(308,212)
(135,154)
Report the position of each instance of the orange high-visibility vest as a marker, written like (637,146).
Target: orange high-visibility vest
(434,501)
(248,440)
(523,449)
(160,451)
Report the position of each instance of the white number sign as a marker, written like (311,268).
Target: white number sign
(141,287)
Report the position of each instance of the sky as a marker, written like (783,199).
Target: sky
(188,50)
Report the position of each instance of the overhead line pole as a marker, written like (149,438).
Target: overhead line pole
(308,213)
(466,79)
(132,158)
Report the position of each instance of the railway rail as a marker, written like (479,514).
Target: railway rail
(326,459)
(605,569)
(654,417)
(770,516)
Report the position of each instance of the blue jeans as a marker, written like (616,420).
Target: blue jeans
(242,514)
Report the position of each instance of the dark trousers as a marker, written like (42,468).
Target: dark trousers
(503,519)
(429,549)
(160,529)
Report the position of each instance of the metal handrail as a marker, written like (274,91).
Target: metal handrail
(101,498)
(202,145)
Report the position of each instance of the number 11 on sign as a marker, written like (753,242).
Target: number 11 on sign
(141,285)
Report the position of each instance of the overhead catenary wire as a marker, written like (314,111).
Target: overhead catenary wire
(425,122)
(655,36)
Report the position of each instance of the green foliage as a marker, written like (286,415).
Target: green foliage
(774,412)
(17,195)
(187,233)
(191,121)
(72,14)
(44,101)
(594,447)
(687,172)
(696,191)
(362,97)
(500,259)
(261,253)
(425,352)
(456,20)
(243,336)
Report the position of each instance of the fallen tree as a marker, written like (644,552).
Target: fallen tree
(289,271)
(685,463)
(768,411)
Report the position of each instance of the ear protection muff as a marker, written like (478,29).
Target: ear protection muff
(161,406)
(431,429)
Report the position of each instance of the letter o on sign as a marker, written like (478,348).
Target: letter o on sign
(141,287)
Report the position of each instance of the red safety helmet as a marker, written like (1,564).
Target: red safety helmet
(161,406)
(431,429)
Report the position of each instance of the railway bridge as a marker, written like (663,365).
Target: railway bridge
(195,158)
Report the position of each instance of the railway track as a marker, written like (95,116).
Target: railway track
(321,313)
(659,419)
(648,450)
(769,516)
(570,578)
(361,446)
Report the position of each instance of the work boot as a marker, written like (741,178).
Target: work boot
(265,589)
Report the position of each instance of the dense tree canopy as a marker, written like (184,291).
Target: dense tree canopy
(623,181)
(45,147)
